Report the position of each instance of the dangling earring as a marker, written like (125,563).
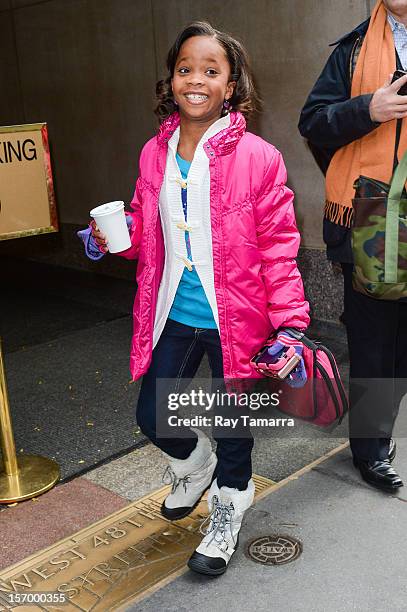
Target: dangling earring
(175,102)
(226,107)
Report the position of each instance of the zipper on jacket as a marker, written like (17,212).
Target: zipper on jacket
(214,163)
(354,56)
(148,258)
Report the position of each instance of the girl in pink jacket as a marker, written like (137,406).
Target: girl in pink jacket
(214,233)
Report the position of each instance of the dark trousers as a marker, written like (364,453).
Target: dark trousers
(176,357)
(377,340)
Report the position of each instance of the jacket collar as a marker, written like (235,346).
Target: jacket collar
(223,142)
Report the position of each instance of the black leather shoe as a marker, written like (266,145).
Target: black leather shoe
(392,450)
(380,474)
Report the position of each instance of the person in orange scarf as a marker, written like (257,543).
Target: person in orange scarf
(353,120)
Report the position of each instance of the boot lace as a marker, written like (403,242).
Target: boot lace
(170,477)
(219,522)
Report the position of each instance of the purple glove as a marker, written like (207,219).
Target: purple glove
(298,376)
(92,250)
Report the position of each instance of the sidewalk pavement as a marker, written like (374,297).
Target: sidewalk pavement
(353,536)
(354,550)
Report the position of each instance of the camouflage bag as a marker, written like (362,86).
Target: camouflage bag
(379,236)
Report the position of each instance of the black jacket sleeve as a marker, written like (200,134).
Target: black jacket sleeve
(330,118)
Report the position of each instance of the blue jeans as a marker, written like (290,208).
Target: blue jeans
(177,355)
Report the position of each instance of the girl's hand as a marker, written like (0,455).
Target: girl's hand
(99,237)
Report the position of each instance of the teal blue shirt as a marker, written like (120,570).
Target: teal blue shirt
(190,306)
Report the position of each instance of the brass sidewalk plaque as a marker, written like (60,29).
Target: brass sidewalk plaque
(113,561)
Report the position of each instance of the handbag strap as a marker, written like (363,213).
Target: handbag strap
(301,337)
(399,66)
(396,147)
(393,208)
(392,222)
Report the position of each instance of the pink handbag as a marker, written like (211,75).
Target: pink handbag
(322,400)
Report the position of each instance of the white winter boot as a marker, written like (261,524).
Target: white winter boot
(221,528)
(190,478)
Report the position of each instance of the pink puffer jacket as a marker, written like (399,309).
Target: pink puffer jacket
(255,242)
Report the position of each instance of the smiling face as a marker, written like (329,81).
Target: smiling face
(201,80)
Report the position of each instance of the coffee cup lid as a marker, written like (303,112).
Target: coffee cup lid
(106,209)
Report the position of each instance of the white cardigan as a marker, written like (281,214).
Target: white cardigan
(198,224)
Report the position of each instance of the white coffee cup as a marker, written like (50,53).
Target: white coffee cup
(111,220)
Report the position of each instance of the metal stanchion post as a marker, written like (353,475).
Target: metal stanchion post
(29,475)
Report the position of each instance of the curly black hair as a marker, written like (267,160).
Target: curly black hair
(244,97)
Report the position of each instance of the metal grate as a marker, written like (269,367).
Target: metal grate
(274,549)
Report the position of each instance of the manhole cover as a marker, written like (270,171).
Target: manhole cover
(274,549)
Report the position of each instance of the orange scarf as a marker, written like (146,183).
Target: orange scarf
(373,154)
